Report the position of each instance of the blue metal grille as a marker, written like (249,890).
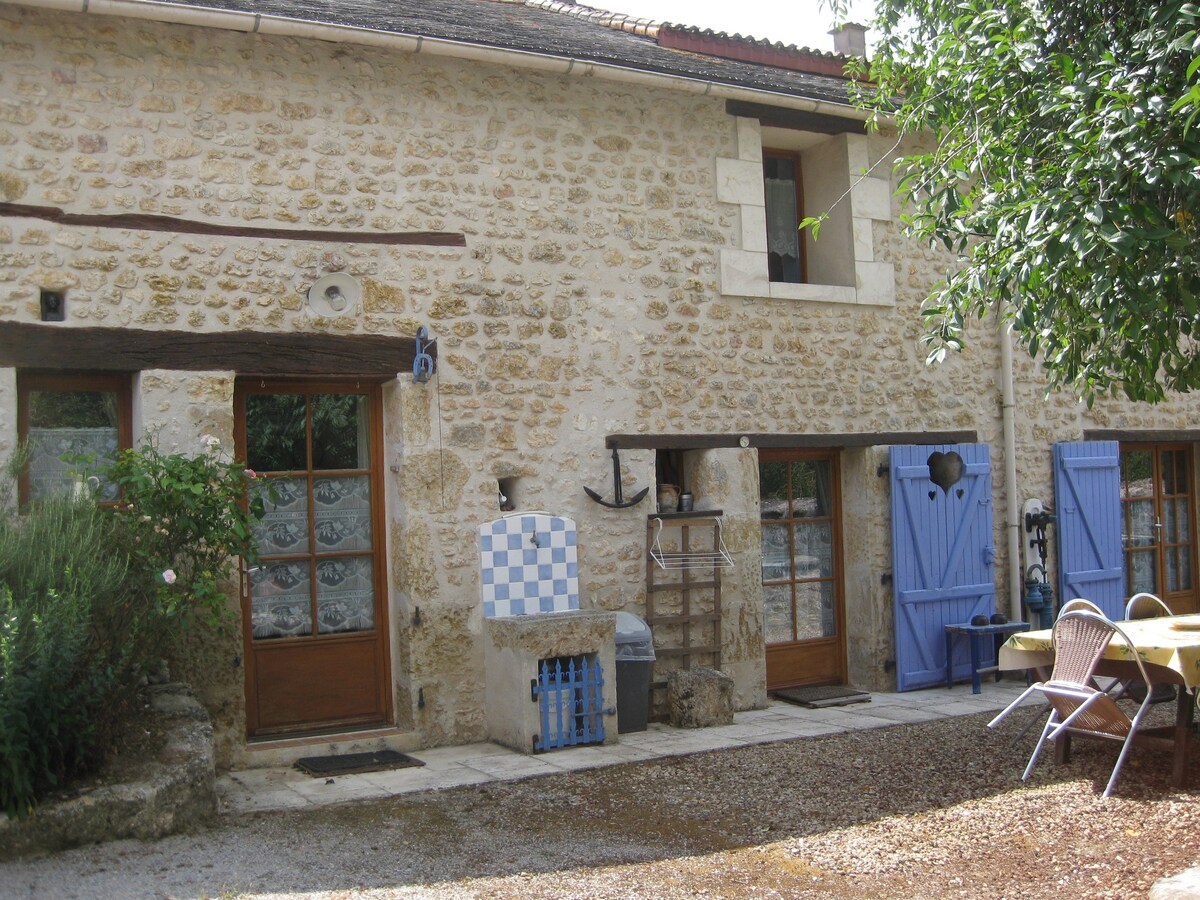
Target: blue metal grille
(570,702)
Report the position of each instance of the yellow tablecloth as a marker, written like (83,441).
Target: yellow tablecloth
(1169,641)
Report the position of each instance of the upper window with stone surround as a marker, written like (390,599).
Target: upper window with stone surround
(830,175)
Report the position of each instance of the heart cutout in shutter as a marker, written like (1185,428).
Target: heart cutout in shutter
(945,469)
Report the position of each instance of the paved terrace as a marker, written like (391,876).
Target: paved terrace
(254,790)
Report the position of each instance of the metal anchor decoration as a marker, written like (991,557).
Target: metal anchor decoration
(619,502)
(422,361)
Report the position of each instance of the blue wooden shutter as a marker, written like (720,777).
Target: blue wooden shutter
(942,558)
(1087,502)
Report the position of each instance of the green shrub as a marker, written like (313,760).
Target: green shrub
(60,677)
(91,597)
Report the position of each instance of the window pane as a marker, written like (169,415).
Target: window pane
(814,610)
(284,528)
(1179,574)
(814,550)
(1170,483)
(339,431)
(70,423)
(783,219)
(1137,473)
(345,594)
(343,513)
(777,614)
(281,600)
(777,553)
(1142,532)
(773,489)
(1143,573)
(275,433)
(811,489)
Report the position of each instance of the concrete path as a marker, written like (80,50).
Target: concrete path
(256,790)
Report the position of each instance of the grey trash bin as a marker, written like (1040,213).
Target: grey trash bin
(635,656)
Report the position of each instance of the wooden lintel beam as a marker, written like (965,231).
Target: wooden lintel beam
(785,440)
(795,119)
(144,222)
(38,346)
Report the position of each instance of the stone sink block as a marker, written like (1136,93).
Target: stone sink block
(513,648)
(699,698)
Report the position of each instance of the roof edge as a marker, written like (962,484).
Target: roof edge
(286,26)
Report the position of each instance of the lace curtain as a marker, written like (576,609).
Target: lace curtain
(782,217)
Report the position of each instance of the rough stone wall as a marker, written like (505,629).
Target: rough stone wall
(585,302)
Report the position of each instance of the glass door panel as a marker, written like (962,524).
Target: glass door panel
(1157,510)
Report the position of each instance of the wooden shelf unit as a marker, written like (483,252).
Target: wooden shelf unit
(683,601)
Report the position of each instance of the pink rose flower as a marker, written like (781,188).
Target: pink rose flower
(169,576)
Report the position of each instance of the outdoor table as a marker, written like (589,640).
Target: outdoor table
(1169,647)
(974,633)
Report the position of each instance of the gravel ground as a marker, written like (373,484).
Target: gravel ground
(931,810)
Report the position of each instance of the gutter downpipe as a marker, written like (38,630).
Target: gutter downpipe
(1012,503)
(285,26)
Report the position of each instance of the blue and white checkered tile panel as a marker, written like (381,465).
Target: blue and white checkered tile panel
(528,564)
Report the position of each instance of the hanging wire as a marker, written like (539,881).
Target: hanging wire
(437,390)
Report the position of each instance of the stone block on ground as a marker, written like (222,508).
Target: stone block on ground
(171,789)
(699,698)
(1182,886)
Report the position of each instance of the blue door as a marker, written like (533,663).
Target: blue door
(1087,502)
(942,554)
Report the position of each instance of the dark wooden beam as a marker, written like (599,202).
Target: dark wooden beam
(798,120)
(36,346)
(1134,435)
(785,440)
(142,222)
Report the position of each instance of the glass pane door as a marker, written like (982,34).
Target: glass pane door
(1156,499)
(316,636)
(800,566)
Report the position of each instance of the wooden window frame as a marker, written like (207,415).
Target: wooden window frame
(28,382)
(802,245)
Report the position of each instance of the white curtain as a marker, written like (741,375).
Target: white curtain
(782,221)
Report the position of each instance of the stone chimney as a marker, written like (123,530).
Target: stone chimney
(850,40)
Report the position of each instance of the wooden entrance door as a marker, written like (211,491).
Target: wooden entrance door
(1158,519)
(313,609)
(804,617)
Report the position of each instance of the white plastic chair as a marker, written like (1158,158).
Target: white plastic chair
(1077,705)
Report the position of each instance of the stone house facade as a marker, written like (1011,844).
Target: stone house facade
(584,241)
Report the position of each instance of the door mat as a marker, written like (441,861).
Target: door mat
(351,763)
(818,697)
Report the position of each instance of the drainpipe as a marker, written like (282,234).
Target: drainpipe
(287,26)
(1012,504)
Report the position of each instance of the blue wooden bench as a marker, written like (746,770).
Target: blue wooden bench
(974,634)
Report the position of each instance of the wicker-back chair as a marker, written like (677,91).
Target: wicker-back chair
(1079,603)
(1145,606)
(1077,706)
